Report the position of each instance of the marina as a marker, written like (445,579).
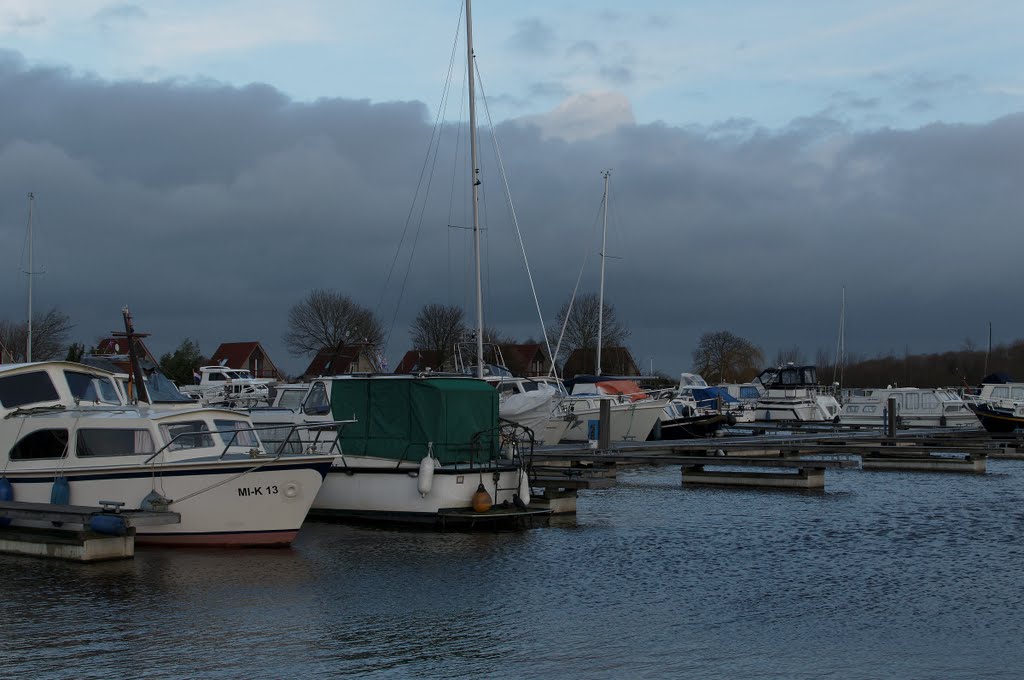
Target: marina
(886,575)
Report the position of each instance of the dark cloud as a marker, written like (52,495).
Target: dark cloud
(211,210)
(534,36)
(846,99)
(919,106)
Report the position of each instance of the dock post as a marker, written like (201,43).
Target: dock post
(890,425)
(604,432)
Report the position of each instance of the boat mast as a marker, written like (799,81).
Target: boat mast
(600,298)
(28,338)
(475,182)
(841,344)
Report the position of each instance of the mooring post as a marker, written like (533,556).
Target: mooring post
(891,421)
(604,431)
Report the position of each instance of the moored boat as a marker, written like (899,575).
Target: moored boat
(68,434)
(915,407)
(413,448)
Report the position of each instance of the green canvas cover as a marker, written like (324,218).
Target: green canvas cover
(398,417)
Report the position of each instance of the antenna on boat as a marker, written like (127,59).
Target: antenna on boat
(475,183)
(136,380)
(30,272)
(600,298)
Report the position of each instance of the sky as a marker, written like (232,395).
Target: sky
(209,163)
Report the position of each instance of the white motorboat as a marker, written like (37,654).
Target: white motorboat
(69,434)
(633,411)
(915,407)
(230,387)
(791,393)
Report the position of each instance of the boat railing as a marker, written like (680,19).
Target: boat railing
(312,446)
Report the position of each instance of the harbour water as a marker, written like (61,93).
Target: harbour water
(902,575)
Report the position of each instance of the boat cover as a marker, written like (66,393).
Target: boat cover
(398,418)
(708,397)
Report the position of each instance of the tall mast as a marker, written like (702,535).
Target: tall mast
(475,182)
(837,371)
(600,298)
(30,272)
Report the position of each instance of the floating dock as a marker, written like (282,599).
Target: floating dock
(93,533)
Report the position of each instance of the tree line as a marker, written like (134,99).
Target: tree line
(329,319)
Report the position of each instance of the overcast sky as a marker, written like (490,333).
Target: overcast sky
(208,163)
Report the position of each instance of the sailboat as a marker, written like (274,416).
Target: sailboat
(417,448)
(633,411)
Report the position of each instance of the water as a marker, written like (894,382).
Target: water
(885,575)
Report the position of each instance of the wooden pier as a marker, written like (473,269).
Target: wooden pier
(783,460)
(94,534)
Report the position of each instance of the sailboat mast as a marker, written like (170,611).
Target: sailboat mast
(837,370)
(28,338)
(600,298)
(475,183)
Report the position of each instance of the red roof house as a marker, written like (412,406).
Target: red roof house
(248,356)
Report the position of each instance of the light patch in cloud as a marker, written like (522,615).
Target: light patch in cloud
(584,116)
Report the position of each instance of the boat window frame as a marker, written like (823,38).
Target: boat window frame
(136,449)
(35,433)
(19,384)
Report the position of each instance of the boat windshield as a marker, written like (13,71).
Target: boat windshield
(91,388)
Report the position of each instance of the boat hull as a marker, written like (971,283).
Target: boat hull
(381,489)
(223,503)
(694,427)
(634,422)
(995,419)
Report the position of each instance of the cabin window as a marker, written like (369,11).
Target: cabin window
(291,399)
(870,409)
(952,408)
(929,400)
(91,388)
(215,376)
(236,433)
(1001,392)
(188,435)
(530,386)
(913,401)
(113,442)
(852,409)
(317,403)
(507,388)
(1018,392)
(26,388)
(749,393)
(41,444)
(280,438)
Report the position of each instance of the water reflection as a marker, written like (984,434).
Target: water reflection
(884,574)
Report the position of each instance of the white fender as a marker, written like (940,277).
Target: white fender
(524,488)
(425,480)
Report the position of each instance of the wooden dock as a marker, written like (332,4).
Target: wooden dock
(92,533)
(787,459)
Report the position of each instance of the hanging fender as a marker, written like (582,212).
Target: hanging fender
(6,494)
(425,479)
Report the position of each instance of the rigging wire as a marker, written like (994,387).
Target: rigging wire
(431,160)
(515,221)
(579,277)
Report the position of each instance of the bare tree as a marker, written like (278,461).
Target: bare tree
(581,330)
(790,355)
(724,357)
(328,319)
(438,328)
(49,336)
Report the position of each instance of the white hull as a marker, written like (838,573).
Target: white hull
(377,488)
(237,505)
(629,421)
